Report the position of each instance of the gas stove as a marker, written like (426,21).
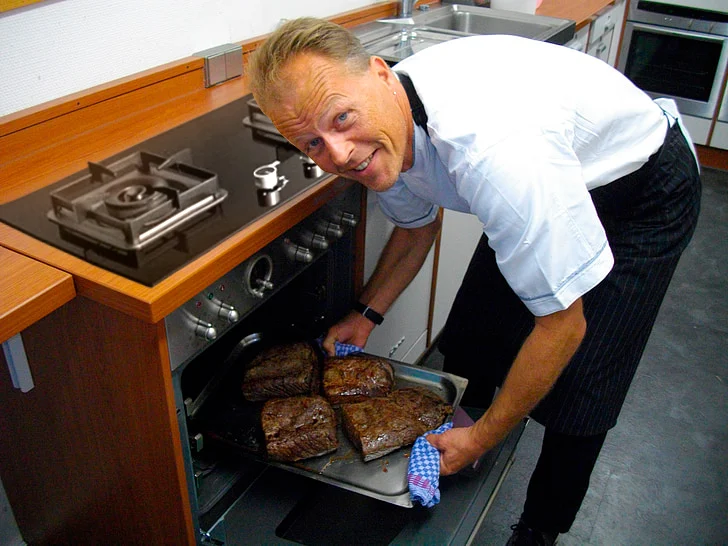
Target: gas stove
(153,208)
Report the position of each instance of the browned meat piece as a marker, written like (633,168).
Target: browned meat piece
(355,378)
(423,404)
(298,427)
(285,370)
(380,425)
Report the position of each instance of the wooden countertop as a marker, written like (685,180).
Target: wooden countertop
(576,10)
(30,291)
(49,142)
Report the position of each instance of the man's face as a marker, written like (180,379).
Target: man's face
(350,124)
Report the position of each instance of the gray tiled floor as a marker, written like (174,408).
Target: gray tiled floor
(662,476)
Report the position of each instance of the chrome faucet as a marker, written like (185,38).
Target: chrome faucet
(405,9)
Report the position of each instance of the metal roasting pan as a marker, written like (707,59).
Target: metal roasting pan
(384,478)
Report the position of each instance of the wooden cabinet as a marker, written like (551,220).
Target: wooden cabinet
(92,454)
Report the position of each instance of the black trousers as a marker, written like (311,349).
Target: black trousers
(649,217)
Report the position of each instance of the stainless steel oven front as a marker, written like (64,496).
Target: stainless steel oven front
(677,49)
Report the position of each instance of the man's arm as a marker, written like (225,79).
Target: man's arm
(401,259)
(543,356)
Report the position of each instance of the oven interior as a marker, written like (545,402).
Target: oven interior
(224,452)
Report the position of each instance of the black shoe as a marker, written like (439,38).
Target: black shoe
(523,535)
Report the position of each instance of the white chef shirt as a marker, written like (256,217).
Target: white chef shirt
(519,132)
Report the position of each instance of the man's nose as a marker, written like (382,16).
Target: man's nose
(340,150)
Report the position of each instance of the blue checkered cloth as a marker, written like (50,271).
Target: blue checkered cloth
(423,473)
(342,349)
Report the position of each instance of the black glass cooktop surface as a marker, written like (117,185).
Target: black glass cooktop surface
(219,142)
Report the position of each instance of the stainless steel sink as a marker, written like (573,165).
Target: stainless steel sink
(393,46)
(477,20)
(396,39)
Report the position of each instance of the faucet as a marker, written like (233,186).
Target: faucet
(405,9)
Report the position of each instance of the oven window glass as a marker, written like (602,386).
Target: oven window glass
(673,65)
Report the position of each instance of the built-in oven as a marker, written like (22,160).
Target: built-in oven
(286,293)
(678,49)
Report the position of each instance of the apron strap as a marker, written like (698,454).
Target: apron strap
(418,110)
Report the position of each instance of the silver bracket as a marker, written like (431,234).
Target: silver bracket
(17,362)
(222,63)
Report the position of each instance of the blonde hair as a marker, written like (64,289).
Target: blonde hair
(302,35)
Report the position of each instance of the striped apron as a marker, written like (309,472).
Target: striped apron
(649,217)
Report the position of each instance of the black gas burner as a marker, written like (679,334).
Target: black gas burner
(135,201)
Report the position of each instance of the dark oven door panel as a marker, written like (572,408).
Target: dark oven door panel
(680,64)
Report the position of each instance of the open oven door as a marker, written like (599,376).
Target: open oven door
(243,498)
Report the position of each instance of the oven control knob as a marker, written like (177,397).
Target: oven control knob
(258,275)
(205,330)
(314,240)
(347,219)
(330,230)
(298,253)
(228,312)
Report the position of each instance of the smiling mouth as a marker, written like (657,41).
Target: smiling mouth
(364,164)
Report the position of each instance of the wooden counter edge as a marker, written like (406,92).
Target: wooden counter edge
(29,291)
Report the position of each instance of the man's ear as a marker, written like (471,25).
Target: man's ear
(381,69)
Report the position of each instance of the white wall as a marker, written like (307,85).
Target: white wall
(58,47)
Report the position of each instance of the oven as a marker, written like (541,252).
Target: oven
(159,206)
(677,49)
(285,294)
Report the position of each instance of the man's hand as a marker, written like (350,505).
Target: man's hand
(353,328)
(458,448)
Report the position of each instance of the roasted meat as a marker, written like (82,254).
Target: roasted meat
(355,378)
(378,426)
(298,427)
(284,370)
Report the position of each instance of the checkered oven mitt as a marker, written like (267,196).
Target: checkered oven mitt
(423,474)
(341,349)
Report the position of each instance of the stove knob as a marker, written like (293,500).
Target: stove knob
(348,219)
(330,229)
(229,313)
(205,330)
(298,253)
(314,240)
(260,288)
(258,276)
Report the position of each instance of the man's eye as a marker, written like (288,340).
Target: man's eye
(313,143)
(342,117)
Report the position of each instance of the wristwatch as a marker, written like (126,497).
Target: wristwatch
(369,313)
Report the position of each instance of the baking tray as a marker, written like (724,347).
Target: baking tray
(384,478)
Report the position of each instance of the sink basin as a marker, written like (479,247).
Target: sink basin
(476,20)
(397,39)
(405,41)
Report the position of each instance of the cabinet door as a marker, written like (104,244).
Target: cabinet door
(406,321)
(460,235)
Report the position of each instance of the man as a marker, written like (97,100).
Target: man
(588,192)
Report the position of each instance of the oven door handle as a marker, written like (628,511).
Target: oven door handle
(670,31)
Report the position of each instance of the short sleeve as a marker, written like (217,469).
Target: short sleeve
(404,208)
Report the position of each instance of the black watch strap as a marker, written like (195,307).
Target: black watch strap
(369,313)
